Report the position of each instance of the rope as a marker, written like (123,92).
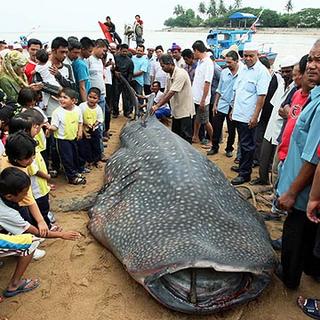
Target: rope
(254,200)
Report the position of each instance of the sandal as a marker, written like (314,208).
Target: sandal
(78,180)
(27,285)
(1,300)
(309,307)
(53,173)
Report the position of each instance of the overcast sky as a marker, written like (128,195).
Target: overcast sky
(55,15)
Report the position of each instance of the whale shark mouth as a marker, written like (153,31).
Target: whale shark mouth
(205,290)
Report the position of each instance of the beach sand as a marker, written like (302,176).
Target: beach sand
(83,281)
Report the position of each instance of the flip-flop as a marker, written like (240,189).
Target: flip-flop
(1,300)
(22,288)
(309,307)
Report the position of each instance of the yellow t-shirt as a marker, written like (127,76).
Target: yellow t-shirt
(91,115)
(28,200)
(41,139)
(39,185)
(67,122)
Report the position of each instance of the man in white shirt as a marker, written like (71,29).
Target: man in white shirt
(176,54)
(156,72)
(201,89)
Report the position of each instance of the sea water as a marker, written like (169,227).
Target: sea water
(284,44)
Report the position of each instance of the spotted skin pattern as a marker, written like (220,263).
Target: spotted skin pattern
(166,207)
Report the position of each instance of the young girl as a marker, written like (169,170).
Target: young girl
(90,145)
(20,151)
(66,123)
(31,122)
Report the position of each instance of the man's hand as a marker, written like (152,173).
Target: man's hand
(43,229)
(54,70)
(284,111)
(79,135)
(153,109)
(202,106)
(287,200)
(70,235)
(253,122)
(36,86)
(312,209)
(215,109)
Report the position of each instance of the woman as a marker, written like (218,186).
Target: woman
(12,76)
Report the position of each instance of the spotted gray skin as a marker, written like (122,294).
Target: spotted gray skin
(178,226)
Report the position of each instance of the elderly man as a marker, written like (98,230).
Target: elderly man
(250,89)
(295,177)
(179,93)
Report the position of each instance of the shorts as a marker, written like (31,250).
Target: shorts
(202,116)
(164,112)
(18,245)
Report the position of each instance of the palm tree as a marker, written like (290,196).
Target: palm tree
(202,8)
(178,10)
(237,4)
(212,10)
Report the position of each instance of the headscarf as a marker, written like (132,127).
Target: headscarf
(12,60)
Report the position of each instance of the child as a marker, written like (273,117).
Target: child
(14,185)
(37,170)
(24,247)
(51,85)
(66,123)
(6,113)
(27,100)
(20,151)
(90,145)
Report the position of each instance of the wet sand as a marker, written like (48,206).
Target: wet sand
(82,280)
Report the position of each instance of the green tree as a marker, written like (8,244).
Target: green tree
(289,6)
(178,10)
(212,9)
(222,8)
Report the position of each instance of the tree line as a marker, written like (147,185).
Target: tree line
(216,14)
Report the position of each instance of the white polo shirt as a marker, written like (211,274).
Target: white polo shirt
(203,74)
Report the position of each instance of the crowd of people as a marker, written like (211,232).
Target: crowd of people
(57,105)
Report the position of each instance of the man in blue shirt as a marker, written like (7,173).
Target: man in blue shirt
(222,104)
(250,89)
(81,69)
(295,179)
(140,64)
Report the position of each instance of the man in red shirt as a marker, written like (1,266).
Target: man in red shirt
(298,101)
(33,46)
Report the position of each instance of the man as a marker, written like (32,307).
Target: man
(176,54)
(124,67)
(81,70)
(201,89)
(190,63)
(112,30)
(270,140)
(33,46)
(108,67)
(295,177)
(96,70)
(74,50)
(179,93)
(222,104)
(140,64)
(156,73)
(250,89)
(63,74)
(147,76)
(138,29)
